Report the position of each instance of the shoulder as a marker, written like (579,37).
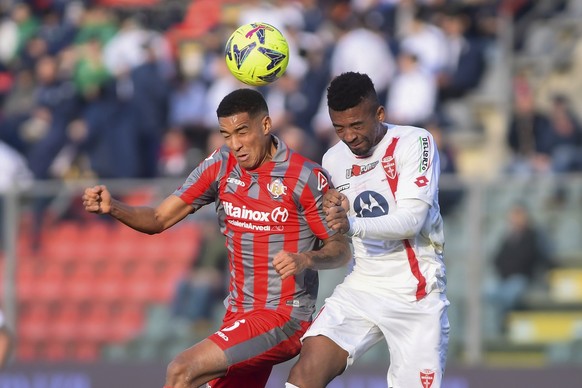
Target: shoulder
(410,136)
(219,156)
(337,153)
(408,132)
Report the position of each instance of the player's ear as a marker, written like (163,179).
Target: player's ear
(267,124)
(380,113)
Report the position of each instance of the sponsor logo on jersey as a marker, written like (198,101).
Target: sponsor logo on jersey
(426,378)
(424,150)
(421,181)
(343,187)
(245,216)
(321,181)
(232,327)
(277,188)
(236,324)
(222,335)
(235,181)
(370,204)
(293,303)
(357,170)
(389,166)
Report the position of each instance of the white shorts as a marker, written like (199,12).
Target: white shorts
(417,333)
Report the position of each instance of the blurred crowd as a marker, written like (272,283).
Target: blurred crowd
(128,89)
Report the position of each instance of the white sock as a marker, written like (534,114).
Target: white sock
(289,385)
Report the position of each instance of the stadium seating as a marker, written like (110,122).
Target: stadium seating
(544,326)
(79,294)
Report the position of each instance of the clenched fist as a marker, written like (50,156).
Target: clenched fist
(97,199)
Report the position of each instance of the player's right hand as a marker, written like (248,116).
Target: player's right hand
(288,264)
(97,199)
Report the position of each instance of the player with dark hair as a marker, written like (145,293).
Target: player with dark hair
(386,200)
(268,200)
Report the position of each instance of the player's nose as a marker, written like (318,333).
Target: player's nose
(349,136)
(235,143)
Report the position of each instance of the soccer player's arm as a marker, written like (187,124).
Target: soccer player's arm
(403,223)
(414,199)
(194,193)
(145,219)
(335,250)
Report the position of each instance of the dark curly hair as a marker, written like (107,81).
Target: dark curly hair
(242,101)
(350,89)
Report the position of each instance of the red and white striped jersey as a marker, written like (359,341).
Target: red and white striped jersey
(404,165)
(275,207)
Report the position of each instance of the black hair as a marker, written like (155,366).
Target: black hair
(350,89)
(242,101)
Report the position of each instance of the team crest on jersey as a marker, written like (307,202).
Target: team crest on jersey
(426,378)
(370,204)
(389,166)
(358,170)
(321,181)
(277,188)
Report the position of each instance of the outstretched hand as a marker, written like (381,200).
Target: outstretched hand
(97,199)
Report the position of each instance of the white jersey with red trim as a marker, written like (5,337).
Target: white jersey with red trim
(404,165)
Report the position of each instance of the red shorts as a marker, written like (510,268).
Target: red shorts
(253,342)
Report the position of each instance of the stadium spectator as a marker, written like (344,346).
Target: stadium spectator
(420,36)
(465,56)
(149,105)
(173,159)
(522,254)
(269,205)
(411,83)
(27,24)
(566,136)
(9,38)
(529,133)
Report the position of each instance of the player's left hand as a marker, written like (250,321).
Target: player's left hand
(334,198)
(288,264)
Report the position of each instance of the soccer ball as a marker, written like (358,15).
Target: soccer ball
(257,53)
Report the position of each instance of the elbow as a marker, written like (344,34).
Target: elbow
(152,229)
(410,233)
(345,254)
